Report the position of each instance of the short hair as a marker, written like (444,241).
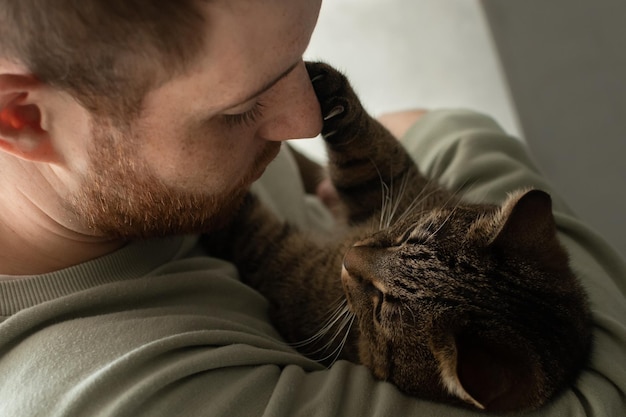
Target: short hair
(106,53)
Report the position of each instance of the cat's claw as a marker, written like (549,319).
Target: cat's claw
(335,96)
(317,78)
(336,111)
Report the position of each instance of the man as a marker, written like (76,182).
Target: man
(127,126)
(187,146)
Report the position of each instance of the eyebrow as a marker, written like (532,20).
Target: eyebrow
(268,85)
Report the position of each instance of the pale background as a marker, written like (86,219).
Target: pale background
(552,72)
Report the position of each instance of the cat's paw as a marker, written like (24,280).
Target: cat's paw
(339,104)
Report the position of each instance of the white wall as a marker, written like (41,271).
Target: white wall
(414,53)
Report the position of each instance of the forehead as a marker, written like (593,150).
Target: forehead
(247,43)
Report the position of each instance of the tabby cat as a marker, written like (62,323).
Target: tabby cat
(472,304)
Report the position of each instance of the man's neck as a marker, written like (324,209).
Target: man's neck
(47,251)
(38,236)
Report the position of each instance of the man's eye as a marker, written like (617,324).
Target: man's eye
(246,118)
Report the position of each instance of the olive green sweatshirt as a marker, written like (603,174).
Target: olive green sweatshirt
(160,328)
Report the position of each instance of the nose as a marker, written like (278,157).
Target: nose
(366,263)
(293,111)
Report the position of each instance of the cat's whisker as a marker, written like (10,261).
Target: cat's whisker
(412,207)
(340,321)
(337,307)
(390,197)
(434,233)
(454,195)
(457,203)
(336,352)
(385,195)
(398,197)
(345,338)
(452,198)
(465,188)
(335,316)
(323,333)
(386,204)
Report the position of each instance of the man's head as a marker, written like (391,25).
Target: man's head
(147,118)
(107,54)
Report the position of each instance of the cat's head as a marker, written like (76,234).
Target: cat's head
(474,303)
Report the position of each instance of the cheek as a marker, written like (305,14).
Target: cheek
(199,159)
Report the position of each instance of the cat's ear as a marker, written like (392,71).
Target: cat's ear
(483,374)
(527,227)
(446,353)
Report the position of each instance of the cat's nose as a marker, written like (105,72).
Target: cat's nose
(366,263)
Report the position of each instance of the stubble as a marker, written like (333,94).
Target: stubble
(119,198)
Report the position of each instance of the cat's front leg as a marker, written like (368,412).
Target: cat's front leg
(366,163)
(297,273)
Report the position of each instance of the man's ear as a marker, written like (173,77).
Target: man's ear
(21,131)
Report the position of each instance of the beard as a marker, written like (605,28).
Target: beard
(119,198)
